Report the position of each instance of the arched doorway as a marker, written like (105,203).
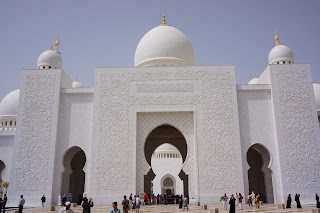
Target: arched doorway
(73,177)
(168,185)
(259,174)
(161,135)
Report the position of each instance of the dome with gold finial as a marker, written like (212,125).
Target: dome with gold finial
(280,54)
(255,80)
(50,59)
(77,84)
(163,46)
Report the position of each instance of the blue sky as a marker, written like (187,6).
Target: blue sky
(106,33)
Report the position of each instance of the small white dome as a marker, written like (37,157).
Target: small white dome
(166,147)
(281,54)
(255,80)
(316,89)
(50,59)
(9,104)
(164,46)
(77,84)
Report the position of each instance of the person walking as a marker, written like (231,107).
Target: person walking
(257,203)
(232,203)
(149,199)
(240,201)
(253,197)
(70,197)
(67,208)
(289,200)
(130,202)
(64,199)
(138,202)
(21,203)
(317,199)
(297,199)
(43,201)
(249,200)
(115,208)
(145,199)
(185,203)
(86,206)
(224,200)
(4,202)
(125,204)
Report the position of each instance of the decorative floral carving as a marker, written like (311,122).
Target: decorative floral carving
(300,148)
(165,88)
(35,135)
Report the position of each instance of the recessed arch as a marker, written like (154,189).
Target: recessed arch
(260,173)
(73,176)
(168,182)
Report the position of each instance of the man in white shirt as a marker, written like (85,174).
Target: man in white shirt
(66,209)
(21,203)
(253,198)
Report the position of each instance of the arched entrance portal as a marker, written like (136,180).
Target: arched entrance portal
(2,167)
(73,177)
(161,135)
(259,174)
(168,185)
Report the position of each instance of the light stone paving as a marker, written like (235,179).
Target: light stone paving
(266,208)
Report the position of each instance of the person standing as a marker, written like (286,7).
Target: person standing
(59,200)
(149,199)
(4,202)
(224,200)
(134,202)
(80,199)
(21,203)
(130,202)
(185,203)
(145,199)
(289,200)
(237,199)
(180,201)
(67,208)
(297,199)
(125,204)
(317,199)
(232,203)
(64,199)
(115,208)
(165,198)
(86,206)
(43,200)
(70,197)
(138,202)
(240,201)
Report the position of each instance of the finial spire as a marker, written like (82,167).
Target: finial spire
(164,20)
(276,37)
(255,76)
(51,47)
(76,79)
(57,42)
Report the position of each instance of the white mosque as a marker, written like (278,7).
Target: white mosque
(162,126)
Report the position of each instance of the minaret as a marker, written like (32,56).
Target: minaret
(57,43)
(276,37)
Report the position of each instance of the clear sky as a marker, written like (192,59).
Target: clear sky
(106,33)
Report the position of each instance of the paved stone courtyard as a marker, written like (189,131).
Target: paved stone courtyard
(266,208)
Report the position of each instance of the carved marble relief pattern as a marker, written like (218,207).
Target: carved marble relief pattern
(113,126)
(218,164)
(36,127)
(300,148)
(183,121)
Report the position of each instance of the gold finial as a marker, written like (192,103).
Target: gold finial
(276,37)
(255,76)
(164,20)
(51,47)
(76,79)
(57,41)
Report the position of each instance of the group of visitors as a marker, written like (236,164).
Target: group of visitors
(297,199)
(235,200)
(86,206)
(3,203)
(254,200)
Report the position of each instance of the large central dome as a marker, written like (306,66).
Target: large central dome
(164,46)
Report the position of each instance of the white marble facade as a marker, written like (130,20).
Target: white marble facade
(51,118)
